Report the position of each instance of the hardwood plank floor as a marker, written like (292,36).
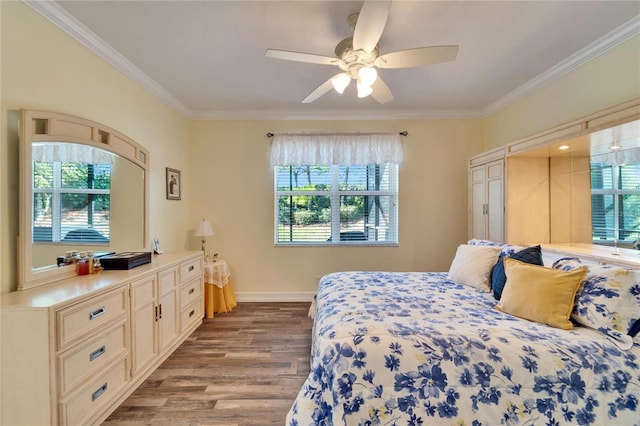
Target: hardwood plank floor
(242,368)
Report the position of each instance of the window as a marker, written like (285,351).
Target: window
(336,204)
(71,202)
(336,188)
(615,203)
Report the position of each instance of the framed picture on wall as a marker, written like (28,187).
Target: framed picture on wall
(173,184)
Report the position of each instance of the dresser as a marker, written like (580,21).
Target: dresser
(72,351)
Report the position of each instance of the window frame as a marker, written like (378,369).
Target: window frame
(335,194)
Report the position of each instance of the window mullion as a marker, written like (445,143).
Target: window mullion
(393,208)
(56,202)
(335,204)
(616,206)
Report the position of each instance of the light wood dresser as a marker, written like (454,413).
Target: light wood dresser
(72,351)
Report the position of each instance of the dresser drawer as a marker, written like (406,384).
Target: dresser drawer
(190,270)
(86,360)
(190,292)
(96,313)
(77,409)
(191,314)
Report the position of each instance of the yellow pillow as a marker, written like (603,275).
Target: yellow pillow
(540,294)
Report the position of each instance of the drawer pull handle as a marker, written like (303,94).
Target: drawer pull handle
(192,313)
(161,311)
(191,290)
(98,353)
(102,389)
(191,268)
(95,314)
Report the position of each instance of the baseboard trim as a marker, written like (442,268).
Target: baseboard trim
(274,297)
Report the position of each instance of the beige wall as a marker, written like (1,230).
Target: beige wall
(610,79)
(233,188)
(43,68)
(225,173)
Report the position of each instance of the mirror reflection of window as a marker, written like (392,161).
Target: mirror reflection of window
(615,186)
(71,200)
(615,203)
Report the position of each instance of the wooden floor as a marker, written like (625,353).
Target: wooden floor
(241,368)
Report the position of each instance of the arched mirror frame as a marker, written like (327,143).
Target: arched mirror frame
(40,126)
(523,223)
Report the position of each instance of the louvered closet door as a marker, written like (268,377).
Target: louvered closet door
(486,198)
(478,196)
(495,201)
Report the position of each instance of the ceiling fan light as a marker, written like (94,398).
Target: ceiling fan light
(368,75)
(340,82)
(364,90)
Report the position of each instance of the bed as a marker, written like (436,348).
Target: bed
(418,348)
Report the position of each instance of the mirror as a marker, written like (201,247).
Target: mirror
(604,171)
(83,188)
(585,189)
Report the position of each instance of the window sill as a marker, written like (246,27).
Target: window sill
(341,244)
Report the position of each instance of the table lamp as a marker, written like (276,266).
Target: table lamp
(203,230)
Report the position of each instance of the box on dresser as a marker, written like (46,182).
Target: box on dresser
(126,260)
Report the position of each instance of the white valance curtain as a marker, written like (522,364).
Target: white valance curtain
(336,148)
(70,153)
(625,156)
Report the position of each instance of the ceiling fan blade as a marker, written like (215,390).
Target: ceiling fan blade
(370,24)
(417,57)
(300,57)
(381,91)
(321,90)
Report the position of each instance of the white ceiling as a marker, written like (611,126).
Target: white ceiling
(206,58)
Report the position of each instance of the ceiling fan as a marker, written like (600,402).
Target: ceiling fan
(358,56)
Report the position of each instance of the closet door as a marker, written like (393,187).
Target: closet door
(486,201)
(495,201)
(478,195)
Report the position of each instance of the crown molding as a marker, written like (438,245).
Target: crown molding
(336,115)
(57,15)
(595,49)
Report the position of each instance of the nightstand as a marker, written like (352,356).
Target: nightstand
(218,292)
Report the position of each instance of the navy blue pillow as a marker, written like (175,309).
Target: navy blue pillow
(532,255)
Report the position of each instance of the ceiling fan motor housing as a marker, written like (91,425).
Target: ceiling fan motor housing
(350,60)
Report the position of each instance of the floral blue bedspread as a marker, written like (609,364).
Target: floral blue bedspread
(416,349)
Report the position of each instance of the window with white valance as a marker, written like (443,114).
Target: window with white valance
(336,188)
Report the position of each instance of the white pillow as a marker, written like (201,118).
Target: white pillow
(472,265)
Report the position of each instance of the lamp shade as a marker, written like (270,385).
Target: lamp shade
(368,75)
(204,229)
(364,90)
(340,82)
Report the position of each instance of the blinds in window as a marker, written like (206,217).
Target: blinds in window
(336,149)
(337,204)
(615,202)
